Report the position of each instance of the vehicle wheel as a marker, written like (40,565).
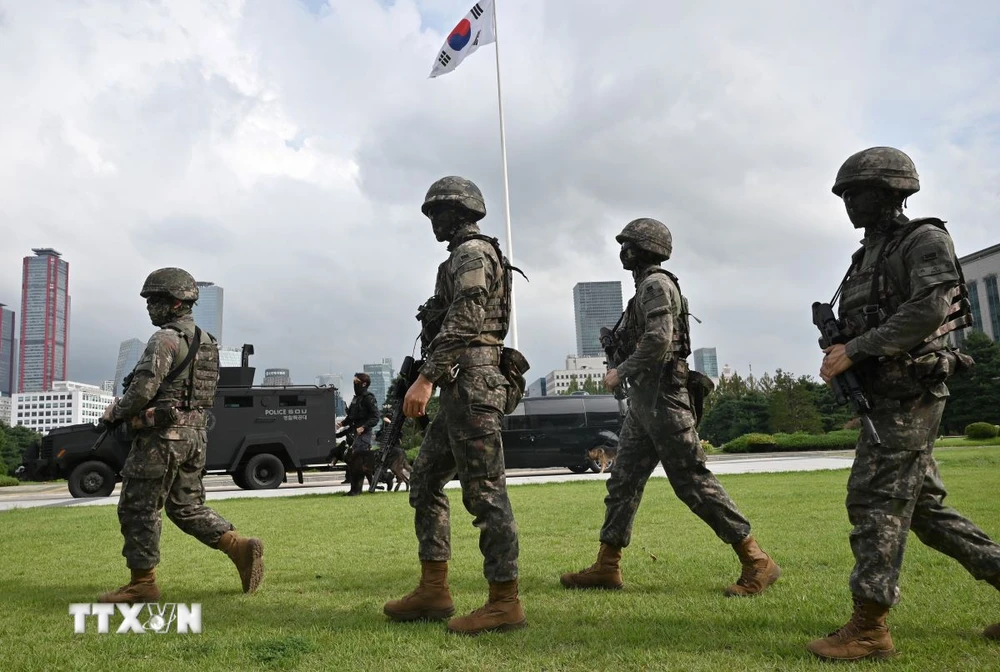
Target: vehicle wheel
(579,469)
(263,472)
(239,480)
(92,479)
(595,466)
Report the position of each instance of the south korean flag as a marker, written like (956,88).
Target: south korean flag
(475,30)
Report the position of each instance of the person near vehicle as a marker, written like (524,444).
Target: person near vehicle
(165,405)
(660,422)
(362,416)
(904,291)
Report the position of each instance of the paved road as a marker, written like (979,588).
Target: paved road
(222,487)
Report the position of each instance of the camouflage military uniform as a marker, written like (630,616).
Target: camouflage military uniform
(164,468)
(904,291)
(895,486)
(660,424)
(464,437)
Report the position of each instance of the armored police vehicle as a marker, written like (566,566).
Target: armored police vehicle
(255,434)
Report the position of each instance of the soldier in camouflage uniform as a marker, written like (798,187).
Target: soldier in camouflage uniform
(171,386)
(903,292)
(464,325)
(654,343)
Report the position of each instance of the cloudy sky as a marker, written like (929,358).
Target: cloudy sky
(282,148)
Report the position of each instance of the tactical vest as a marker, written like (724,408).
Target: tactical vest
(877,284)
(498,304)
(631,330)
(194,388)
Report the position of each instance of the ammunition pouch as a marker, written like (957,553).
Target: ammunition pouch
(699,386)
(513,366)
(911,376)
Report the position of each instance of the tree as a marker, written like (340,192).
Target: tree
(732,416)
(791,407)
(975,394)
(574,385)
(590,386)
(14,441)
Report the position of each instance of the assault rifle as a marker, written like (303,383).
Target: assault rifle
(612,352)
(408,372)
(846,386)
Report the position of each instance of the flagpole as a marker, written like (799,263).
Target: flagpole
(506,184)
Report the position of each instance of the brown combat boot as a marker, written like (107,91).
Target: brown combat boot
(502,612)
(864,636)
(759,570)
(247,555)
(142,588)
(431,600)
(605,573)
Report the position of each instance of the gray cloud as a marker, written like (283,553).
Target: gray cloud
(282,150)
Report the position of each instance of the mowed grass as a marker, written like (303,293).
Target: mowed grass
(332,561)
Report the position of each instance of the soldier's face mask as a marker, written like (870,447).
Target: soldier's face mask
(160,309)
(629,255)
(867,207)
(444,220)
(359,387)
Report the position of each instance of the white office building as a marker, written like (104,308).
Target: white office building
(5,406)
(577,368)
(67,403)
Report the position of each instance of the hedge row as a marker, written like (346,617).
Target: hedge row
(843,439)
(982,430)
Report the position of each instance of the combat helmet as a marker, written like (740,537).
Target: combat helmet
(650,235)
(878,166)
(457,190)
(175,282)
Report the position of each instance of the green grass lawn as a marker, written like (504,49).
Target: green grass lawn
(332,561)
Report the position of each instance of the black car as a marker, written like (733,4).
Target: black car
(560,431)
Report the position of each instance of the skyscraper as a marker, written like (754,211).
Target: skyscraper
(335,380)
(382,375)
(208,309)
(45,310)
(276,377)
(595,305)
(6,352)
(129,353)
(706,361)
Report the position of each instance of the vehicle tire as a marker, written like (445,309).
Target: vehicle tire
(239,480)
(92,479)
(595,466)
(579,469)
(263,471)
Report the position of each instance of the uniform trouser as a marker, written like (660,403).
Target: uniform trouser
(356,475)
(660,428)
(464,439)
(895,487)
(164,470)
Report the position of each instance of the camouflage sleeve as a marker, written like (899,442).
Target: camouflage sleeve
(473,272)
(654,344)
(930,259)
(153,366)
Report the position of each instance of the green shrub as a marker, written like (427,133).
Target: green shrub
(751,443)
(981,430)
(6,481)
(842,439)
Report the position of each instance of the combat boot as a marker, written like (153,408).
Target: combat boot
(247,555)
(142,588)
(759,570)
(430,600)
(864,636)
(502,612)
(605,573)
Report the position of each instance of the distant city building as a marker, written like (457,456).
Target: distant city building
(129,353)
(577,368)
(595,305)
(67,403)
(727,372)
(108,387)
(382,375)
(981,270)
(334,380)
(706,361)
(276,378)
(208,309)
(5,407)
(230,356)
(7,349)
(45,315)
(536,389)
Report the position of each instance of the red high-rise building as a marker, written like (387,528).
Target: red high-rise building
(45,308)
